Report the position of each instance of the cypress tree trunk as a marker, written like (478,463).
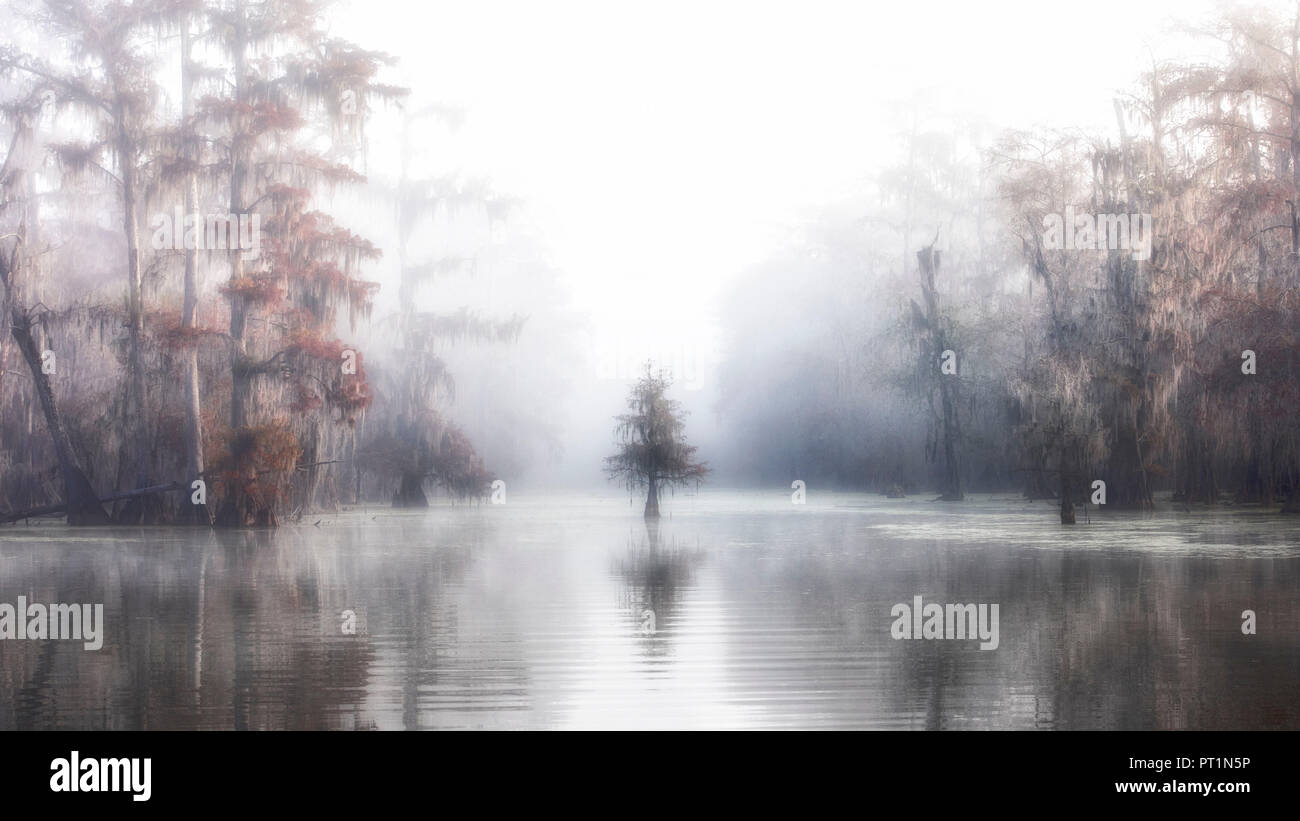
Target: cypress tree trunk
(83,507)
(652,500)
(951,459)
(1067,486)
(951,481)
(410,493)
(241,506)
(141,509)
(191,513)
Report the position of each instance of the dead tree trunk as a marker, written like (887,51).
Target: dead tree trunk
(82,505)
(951,487)
(45,510)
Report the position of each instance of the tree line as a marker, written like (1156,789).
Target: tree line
(1066,308)
(160,399)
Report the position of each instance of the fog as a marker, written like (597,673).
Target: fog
(531,203)
(665,154)
(659,365)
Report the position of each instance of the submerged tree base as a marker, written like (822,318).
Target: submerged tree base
(194,515)
(83,505)
(141,510)
(410,493)
(229,519)
(242,509)
(652,501)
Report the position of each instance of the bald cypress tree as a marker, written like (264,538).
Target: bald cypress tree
(652,449)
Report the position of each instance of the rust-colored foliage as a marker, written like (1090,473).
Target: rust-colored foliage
(258,463)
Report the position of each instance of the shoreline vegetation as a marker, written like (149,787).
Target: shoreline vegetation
(1092,318)
(1008,501)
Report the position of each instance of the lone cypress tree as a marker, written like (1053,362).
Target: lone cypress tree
(652,448)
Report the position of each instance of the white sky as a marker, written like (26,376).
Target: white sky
(675,143)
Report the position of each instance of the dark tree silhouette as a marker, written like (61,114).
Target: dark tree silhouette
(935,340)
(652,448)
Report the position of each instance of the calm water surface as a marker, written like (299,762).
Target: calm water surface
(765,615)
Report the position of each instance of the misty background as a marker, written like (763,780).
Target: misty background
(678,166)
(539,199)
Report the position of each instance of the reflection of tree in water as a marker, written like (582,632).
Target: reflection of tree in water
(146,675)
(234,629)
(1134,641)
(286,664)
(952,684)
(407,610)
(1155,642)
(425,615)
(242,629)
(277,654)
(654,569)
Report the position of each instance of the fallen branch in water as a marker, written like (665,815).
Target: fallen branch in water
(46,510)
(6,518)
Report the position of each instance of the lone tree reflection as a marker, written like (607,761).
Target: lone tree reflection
(652,448)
